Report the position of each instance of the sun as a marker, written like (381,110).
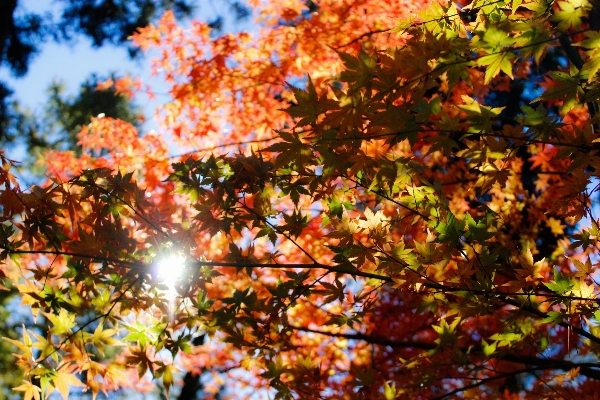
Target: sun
(169,272)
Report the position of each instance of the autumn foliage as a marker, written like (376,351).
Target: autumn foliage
(373,200)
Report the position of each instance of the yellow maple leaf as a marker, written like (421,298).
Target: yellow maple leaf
(104,337)
(30,391)
(555,226)
(529,268)
(62,380)
(62,323)
(375,225)
(583,269)
(25,359)
(372,220)
(348,225)
(586,291)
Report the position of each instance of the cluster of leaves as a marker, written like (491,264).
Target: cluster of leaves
(421,224)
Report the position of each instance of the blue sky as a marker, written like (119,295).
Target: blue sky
(74,62)
(70,62)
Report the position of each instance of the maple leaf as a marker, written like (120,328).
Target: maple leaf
(292,151)
(359,70)
(592,65)
(442,142)
(375,225)
(372,221)
(530,269)
(166,372)
(25,359)
(446,332)
(584,270)
(585,290)
(488,348)
(104,337)
(61,323)
(348,226)
(294,223)
(30,391)
(62,380)
(534,42)
(451,230)
(492,177)
(562,283)
(495,63)
(308,104)
(570,14)
(46,346)
(561,85)
(481,116)
(11,203)
(479,228)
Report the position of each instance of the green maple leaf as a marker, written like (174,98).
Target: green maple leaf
(592,41)
(539,8)
(570,14)
(533,116)
(274,369)
(104,337)
(480,117)
(591,67)
(555,317)
(451,230)
(494,63)
(565,87)
(562,283)
(533,40)
(447,333)
(166,372)
(495,39)
(488,348)
(506,338)
(336,207)
(139,333)
(479,229)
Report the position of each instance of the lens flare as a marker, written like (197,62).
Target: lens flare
(170,271)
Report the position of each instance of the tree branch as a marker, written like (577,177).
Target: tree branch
(588,369)
(501,296)
(486,380)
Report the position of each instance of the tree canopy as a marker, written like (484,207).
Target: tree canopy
(362,198)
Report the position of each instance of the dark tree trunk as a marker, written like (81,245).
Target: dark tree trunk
(191,382)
